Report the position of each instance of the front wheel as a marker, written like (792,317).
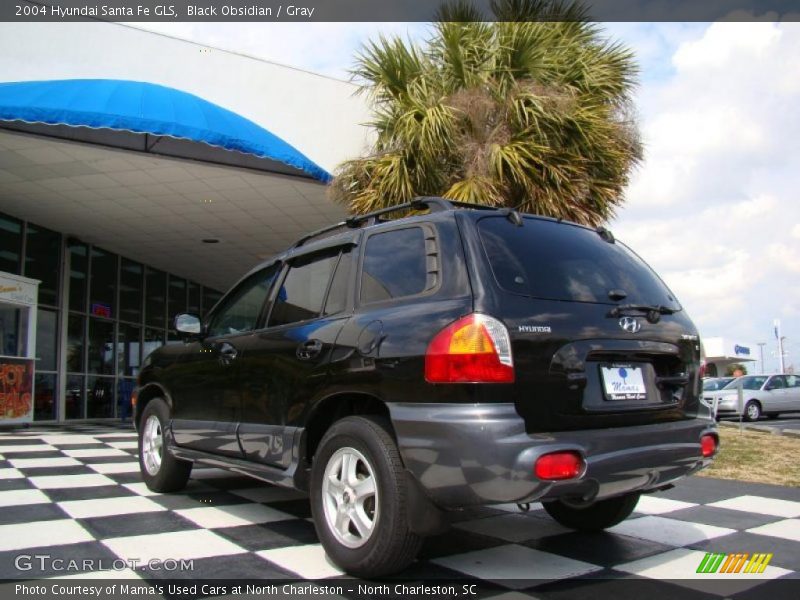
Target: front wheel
(161,471)
(592,517)
(359,499)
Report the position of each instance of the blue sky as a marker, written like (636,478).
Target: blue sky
(715,206)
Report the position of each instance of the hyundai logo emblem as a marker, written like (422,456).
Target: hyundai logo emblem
(630,324)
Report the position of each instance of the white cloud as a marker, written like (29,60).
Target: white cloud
(714,207)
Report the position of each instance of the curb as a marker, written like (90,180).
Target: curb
(762,428)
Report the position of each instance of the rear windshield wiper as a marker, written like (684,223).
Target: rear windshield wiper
(652,312)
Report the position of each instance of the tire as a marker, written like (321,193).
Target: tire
(594,517)
(384,544)
(161,471)
(752,411)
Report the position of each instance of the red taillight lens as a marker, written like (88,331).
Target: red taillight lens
(559,465)
(474,349)
(702,369)
(708,445)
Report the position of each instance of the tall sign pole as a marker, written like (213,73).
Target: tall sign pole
(778,337)
(761,348)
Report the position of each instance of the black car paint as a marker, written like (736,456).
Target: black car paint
(252,413)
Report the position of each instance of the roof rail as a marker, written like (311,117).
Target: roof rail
(433,203)
(365,220)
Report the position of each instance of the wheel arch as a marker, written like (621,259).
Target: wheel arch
(334,407)
(145,395)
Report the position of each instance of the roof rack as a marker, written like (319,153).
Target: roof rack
(432,203)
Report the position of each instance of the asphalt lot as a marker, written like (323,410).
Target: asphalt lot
(786,421)
(75,493)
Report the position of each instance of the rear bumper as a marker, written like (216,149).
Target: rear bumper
(465,455)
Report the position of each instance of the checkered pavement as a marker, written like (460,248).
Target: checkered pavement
(75,493)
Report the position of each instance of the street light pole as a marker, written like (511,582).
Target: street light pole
(761,350)
(780,352)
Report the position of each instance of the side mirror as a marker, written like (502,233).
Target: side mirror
(188,325)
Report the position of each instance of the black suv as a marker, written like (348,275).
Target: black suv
(457,356)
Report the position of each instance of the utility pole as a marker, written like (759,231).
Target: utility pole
(777,324)
(761,350)
(780,353)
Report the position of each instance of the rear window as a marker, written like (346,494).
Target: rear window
(558,261)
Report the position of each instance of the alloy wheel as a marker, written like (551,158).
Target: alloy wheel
(152,445)
(350,497)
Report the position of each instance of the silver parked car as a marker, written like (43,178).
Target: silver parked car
(713,384)
(767,395)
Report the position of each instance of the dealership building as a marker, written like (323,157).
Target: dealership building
(140,176)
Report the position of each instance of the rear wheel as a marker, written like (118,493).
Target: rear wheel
(161,471)
(359,499)
(752,411)
(592,517)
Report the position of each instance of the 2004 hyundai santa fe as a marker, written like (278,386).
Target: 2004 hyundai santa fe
(460,356)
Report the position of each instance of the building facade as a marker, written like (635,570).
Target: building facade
(140,176)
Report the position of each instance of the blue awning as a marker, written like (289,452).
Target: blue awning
(146,108)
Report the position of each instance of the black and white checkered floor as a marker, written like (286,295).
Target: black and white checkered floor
(75,493)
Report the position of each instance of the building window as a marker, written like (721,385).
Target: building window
(194,298)
(104,284)
(130,291)
(100,397)
(177,298)
(75,335)
(46,340)
(43,261)
(78,272)
(101,347)
(10,244)
(74,397)
(153,338)
(45,397)
(129,350)
(155,298)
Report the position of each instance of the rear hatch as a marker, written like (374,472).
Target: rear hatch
(598,339)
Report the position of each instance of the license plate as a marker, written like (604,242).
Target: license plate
(624,382)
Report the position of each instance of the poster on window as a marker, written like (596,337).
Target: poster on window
(16,390)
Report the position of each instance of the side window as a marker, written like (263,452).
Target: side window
(777,383)
(398,263)
(337,295)
(240,311)
(302,293)
(793,381)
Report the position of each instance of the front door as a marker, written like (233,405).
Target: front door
(207,395)
(285,364)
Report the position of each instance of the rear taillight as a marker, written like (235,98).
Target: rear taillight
(702,369)
(474,349)
(708,445)
(558,466)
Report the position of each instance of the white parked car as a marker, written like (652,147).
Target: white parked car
(767,395)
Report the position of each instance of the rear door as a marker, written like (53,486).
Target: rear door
(775,396)
(587,352)
(793,392)
(285,363)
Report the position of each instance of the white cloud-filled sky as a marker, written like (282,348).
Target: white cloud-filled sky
(715,206)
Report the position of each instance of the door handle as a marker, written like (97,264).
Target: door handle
(308,350)
(227,353)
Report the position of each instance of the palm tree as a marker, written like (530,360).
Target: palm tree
(531,111)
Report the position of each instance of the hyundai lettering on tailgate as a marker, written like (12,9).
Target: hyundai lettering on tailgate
(624,382)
